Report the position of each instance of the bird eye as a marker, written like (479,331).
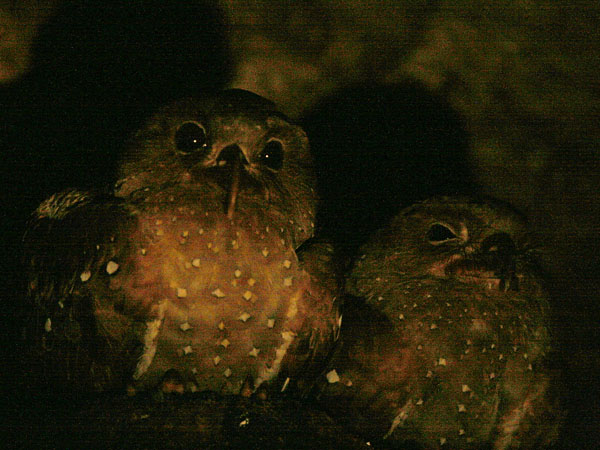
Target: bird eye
(438,234)
(190,137)
(272,155)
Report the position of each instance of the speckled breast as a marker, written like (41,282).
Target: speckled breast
(481,345)
(222,297)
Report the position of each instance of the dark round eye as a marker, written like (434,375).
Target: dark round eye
(272,155)
(439,234)
(190,137)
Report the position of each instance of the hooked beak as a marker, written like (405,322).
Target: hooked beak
(230,164)
(234,187)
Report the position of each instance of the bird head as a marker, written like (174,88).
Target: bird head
(231,151)
(462,239)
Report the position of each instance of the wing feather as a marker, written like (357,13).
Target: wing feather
(69,248)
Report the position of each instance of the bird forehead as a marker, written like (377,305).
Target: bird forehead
(237,126)
(247,121)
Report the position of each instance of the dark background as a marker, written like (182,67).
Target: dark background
(98,69)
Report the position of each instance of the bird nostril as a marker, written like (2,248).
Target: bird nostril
(231,154)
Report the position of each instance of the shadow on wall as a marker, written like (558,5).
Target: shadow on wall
(380,148)
(96,71)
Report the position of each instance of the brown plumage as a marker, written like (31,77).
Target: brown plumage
(190,262)
(451,347)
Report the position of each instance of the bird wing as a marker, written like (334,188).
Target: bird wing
(317,339)
(74,322)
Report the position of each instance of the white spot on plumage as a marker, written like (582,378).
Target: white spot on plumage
(266,373)
(244,316)
(181,292)
(237,273)
(442,362)
(225,343)
(150,336)
(48,325)
(287,264)
(185,326)
(216,360)
(111,267)
(332,376)
(187,350)
(221,325)
(247,295)
(218,293)
(400,418)
(270,323)
(287,282)
(288,336)
(254,352)
(461,408)
(85,275)
(265,252)
(196,262)
(227,373)
(251,282)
